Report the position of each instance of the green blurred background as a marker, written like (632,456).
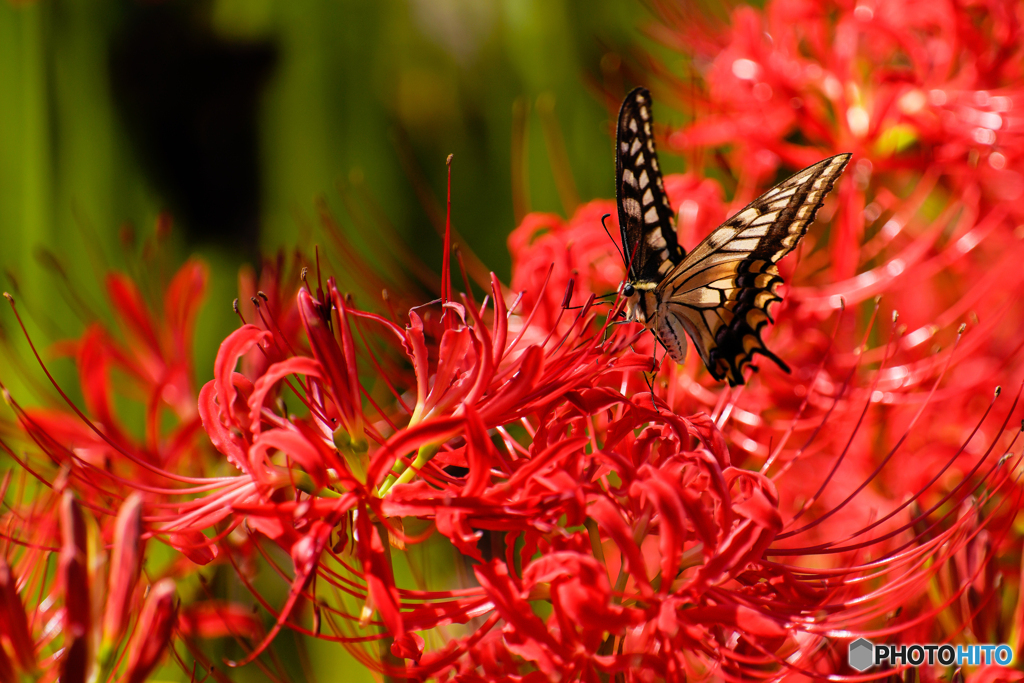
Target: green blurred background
(235,116)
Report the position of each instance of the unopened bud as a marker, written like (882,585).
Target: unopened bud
(567,299)
(14,620)
(153,632)
(73,567)
(125,563)
(163,226)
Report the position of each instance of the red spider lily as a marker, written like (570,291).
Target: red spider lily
(653,547)
(612,536)
(578,525)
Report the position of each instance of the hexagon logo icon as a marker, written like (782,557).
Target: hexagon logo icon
(862,654)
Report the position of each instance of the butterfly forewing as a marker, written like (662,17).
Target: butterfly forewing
(720,292)
(645,216)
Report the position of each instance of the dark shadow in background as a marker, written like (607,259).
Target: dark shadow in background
(190,99)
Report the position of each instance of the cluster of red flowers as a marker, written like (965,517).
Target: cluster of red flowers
(488,489)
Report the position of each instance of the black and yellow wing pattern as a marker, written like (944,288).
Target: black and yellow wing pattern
(719,294)
(646,218)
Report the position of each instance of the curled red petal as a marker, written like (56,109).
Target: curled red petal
(455,525)
(298,365)
(380,581)
(194,545)
(525,633)
(295,446)
(606,514)
(224,439)
(231,349)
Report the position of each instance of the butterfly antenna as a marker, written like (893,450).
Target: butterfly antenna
(614,243)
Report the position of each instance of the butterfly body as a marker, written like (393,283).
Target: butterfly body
(719,293)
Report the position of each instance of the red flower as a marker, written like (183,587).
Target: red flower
(580,525)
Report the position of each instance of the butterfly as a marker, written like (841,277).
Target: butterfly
(719,293)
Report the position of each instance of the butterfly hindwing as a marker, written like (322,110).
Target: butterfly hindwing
(645,216)
(720,292)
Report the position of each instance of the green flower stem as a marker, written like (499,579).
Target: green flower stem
(423,456)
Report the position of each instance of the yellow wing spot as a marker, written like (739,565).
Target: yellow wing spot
(748,215)
(755,232)
(741,363)
(766,218)
(656,239)
(724,283)
(763,299)
(750,342)
(743,245)
(756,317)
(631,207)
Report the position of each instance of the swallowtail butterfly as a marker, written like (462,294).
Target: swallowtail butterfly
(718,293)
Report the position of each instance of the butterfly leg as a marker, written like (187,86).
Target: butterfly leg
(654,373)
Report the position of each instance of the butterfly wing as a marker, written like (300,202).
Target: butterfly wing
(645,216)
(720,292)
